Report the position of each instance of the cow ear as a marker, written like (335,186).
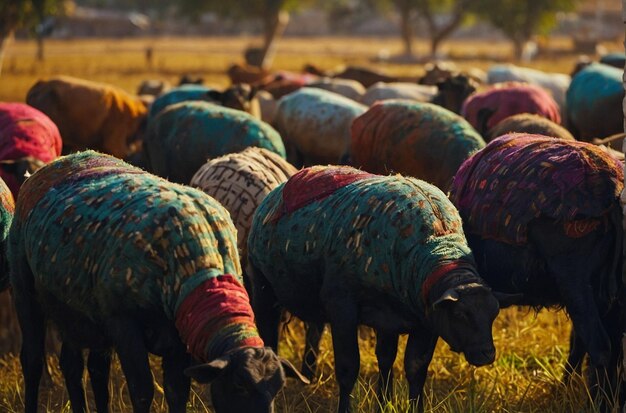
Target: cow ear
(291,371)
(506,300)
(451,295)
(206,373)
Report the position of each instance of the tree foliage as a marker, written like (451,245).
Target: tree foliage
(520,20)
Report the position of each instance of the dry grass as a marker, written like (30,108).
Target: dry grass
(531,349)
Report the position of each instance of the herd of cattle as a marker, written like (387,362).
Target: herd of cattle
(183,221)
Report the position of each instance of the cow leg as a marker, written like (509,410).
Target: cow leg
(575,357)
(386,351)
(417,356)
(343,315)
(314,333)
(133,354)
(266,309)
(99,367)
(175,382)
(606,388)
(32,323)
(578,298)
(72,365)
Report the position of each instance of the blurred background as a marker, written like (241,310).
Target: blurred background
(127,41)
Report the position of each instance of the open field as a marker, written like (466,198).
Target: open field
(532,348)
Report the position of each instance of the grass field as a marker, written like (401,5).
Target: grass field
(532,348)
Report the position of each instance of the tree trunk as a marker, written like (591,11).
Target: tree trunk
(275,24)
(5,40)
(40,49)
(518,48)
(406,30)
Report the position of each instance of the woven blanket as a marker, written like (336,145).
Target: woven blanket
(7,209)
(177,95)
(107,238)
(390,232)
(484,110)
(317,122)
(182,137)
(412,138)
(240,182)
(520,177)
(594,102)
(26,132)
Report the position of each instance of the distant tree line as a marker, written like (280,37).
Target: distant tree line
(518,20)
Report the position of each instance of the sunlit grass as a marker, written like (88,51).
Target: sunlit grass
(532,349)
(526,376)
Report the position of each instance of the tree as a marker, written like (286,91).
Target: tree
(520,20)
(26,13)
(429,11)
(272,13)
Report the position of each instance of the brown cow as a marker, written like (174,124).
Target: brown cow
(90,115)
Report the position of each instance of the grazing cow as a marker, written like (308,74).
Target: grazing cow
(247,74)
(90,115)
(485,109)
(594,102)
(543,219)
(398,90)
(240,182)
(241,97)
(412,138)
(453,91)
(153,87)
(28,140)
(555,83)
(315,125)
(116,256)
(365,76)
(7,317)
(617,59)
(183,136)
(344,87)
(529,124)
(338,245)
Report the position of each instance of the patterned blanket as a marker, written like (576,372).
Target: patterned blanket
(484,110)
(182,137)
(7,209)
(24,132)
(520,177)
(390,232)
(413,138)
(107,238)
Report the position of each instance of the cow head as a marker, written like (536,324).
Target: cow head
(463,316)
(241,97)
(246,380)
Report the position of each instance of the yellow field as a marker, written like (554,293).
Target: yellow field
(531,348)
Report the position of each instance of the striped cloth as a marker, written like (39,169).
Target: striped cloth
(390,232)
(240,182)
(26,132)
(520,177)
(107,238)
